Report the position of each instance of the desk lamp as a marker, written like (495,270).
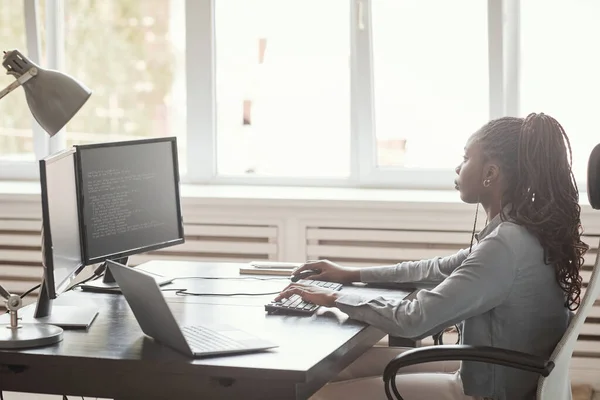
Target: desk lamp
(53,99)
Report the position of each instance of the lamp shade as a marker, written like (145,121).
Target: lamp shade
(53,97)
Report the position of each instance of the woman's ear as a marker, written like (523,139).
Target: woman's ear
(491,173)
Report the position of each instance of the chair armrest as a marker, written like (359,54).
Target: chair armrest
(485,354)
(490,355)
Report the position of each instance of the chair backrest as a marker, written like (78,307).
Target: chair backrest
(557,385)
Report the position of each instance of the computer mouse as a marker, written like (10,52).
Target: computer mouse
(304,274)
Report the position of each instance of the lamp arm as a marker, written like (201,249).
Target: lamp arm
(20,80)
(4,293)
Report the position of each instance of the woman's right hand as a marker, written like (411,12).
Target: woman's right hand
(329,271)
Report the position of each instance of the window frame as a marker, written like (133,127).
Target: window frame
(201,134)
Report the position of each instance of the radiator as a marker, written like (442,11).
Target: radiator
(20,254)
(219,242)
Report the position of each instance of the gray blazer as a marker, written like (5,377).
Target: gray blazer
(502,292)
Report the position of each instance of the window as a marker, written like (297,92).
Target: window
(130,53)
(560,69)
(283,88)
(430,80)
(16,142)
(361,93)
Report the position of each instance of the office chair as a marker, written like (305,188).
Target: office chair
(554,382)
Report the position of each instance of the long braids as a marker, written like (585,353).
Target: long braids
(535,156)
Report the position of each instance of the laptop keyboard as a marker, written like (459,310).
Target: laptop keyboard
(203,340)
(295,305)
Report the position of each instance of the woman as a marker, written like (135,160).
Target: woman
(513,289)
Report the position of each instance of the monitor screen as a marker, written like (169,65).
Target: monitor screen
(129,198)
(62,246)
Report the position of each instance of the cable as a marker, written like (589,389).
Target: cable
(230,277)
(184,292)
(438,337)
(94,276)
(97,275)
(29,291)
(22,296)
(86,280)
(39,285)
(474,226)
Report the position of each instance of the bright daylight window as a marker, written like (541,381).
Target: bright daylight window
(284,72)
(560,69)
(283,87)
(430,68)
(131,54)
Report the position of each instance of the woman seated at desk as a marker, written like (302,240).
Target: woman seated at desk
(513,289)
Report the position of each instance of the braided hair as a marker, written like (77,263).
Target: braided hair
(534,154)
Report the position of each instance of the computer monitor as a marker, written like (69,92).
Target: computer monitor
(129,202)
(61,247)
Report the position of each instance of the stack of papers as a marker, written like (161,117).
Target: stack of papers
(269,268)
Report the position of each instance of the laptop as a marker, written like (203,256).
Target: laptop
(157,321)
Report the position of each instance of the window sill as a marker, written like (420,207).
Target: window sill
(290,196)
(277,195)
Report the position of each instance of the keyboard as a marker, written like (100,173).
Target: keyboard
(295,305)
(204,340)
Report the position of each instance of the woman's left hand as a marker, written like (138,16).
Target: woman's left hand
(312,294)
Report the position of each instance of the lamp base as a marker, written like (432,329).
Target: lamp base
(29,335)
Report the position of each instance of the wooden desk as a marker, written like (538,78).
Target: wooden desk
(115,360)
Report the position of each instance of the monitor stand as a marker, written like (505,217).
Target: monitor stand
(108,284)
(67,317)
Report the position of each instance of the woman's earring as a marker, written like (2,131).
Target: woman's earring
(486,183)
